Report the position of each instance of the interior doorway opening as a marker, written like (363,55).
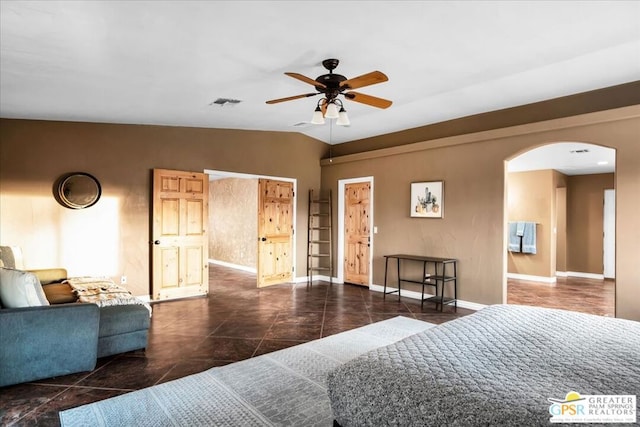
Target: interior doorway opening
(558,190)
(234,212)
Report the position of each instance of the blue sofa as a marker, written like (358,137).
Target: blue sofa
(65,338)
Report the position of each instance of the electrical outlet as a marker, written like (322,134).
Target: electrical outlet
(123,280)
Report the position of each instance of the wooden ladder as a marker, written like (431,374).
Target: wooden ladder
(319,235)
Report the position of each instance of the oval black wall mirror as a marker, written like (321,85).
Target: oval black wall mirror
(77,190)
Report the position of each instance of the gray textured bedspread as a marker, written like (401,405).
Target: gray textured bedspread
(497,366)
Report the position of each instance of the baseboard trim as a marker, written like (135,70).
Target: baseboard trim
(417,295)
(234,266)
(530,278)
(558,274)
(585,275)
(403,292)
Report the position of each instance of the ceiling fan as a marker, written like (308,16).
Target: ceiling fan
(332,85)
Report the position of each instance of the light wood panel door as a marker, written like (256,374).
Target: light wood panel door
(275,232)
(357,233)
(180,242)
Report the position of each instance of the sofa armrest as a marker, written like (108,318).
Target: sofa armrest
(50,275)
(47,341)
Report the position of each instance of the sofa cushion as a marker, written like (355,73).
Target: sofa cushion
(122,319)
(50,275)
(59,293)
(43,342)
(122,328)
(20,289)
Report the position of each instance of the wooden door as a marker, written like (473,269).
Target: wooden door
(357,233)
(275,232)
(180,242)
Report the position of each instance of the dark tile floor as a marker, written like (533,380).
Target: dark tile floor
(235,322)
(568,293)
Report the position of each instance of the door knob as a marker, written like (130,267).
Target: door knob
(264,239)
(157,242)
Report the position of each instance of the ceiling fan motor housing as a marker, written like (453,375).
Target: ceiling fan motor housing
(330,81)
(331,84)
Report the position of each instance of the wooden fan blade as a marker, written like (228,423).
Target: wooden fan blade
(291,98)
(368,99)
(364,80)
(305,79)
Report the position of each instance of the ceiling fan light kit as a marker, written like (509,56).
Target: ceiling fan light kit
(318,118)
(343,119)
(332,111)
(332,85)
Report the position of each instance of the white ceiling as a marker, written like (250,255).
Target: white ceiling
(165,62)
(570,158)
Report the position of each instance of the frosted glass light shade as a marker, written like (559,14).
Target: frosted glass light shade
(317,118)
(343,119)
(332,111)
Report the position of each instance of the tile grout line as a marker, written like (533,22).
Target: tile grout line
(67,388)
(366,308)
(265,334)
(324,311)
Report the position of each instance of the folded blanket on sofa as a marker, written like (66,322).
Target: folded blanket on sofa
(103,292)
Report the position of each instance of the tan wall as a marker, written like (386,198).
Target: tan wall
(578,245)
(233,224)
(112,237)
(473,229)
(531,197)
(561,225)
(535,195)
(558,231)
(585,201)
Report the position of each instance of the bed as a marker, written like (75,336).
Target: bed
(498,366)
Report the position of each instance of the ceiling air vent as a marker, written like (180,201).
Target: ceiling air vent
(225,101)
(581,151)
(302,124)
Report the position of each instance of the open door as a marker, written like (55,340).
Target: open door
(179,234)
(275,232)
(357,238)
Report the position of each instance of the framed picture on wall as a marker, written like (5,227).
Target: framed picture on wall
(427,199)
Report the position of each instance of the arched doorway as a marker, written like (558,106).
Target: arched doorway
(555,204)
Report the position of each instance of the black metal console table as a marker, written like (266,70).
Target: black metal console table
(434,273)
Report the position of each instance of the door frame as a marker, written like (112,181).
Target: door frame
(227,174)
(341,208)
(609,234)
